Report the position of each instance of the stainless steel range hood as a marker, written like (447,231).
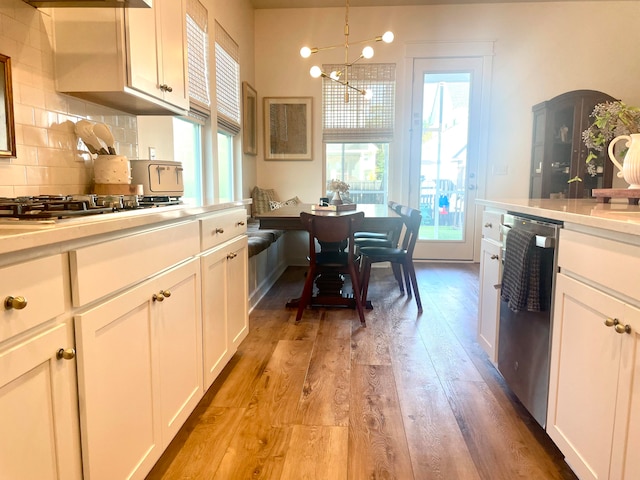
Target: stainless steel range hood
(90,3)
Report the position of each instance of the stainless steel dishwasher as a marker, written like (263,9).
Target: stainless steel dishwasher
(524,338)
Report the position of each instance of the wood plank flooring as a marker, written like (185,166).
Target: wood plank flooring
(409,397)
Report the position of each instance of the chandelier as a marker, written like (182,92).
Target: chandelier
(341,75)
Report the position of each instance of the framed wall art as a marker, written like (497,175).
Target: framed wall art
(287,128)
(249,119)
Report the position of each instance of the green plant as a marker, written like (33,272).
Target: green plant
(611,119)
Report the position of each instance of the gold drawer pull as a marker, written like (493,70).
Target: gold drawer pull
(16,303)
(620,328)
(66,354)
(240,224)
(219,230)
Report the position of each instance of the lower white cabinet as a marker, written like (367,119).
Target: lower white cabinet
(225,304)
(139,372)
(594,392)
(38,408)
(489,298)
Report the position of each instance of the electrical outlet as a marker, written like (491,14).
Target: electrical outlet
(152,153)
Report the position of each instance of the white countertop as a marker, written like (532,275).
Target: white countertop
(21,236)
(617,217)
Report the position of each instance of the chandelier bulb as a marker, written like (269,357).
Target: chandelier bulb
(367,52)
(305,52)
(335,75)
(315,71)
(388,37)
(368,94)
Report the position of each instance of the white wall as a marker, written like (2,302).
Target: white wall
(541,50)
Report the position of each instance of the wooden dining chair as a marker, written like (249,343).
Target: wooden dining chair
(337,254)
(401,255)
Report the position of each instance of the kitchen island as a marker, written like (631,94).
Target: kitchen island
(594,379)
(113,326)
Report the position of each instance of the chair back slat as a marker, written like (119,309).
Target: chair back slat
(412,219)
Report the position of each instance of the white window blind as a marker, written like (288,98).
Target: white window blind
(360,120)
(198,58)
(227,81)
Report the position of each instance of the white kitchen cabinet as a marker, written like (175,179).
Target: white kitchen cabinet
(139,372)
(594,391)
(490,277)
(38,399)
(134,60)
(38,408)
(224,289)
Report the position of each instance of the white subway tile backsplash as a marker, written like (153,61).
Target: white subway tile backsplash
(50,158)
(35,136)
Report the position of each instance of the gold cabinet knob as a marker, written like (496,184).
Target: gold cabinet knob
(66,354)
(620,328)
(158,297)
(232,255)
(16,303)
(610,322)
(240,224)
(494,257)
(166,293)
(219,230)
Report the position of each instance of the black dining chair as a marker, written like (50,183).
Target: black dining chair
(401,255)
(381,239)
(337,255)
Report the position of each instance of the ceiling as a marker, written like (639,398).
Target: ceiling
(266,4)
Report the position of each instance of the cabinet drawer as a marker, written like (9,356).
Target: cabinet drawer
(218,228)
(100,269)
(492,225)
(42,284)
(606,262)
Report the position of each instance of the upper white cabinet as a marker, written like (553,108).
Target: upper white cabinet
(134,60)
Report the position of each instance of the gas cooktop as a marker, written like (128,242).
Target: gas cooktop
(53,207)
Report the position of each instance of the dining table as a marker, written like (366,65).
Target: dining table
(329,291)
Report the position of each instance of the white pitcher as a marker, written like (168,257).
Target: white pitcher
(630,171)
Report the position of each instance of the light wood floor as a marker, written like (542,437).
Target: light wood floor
(408,397)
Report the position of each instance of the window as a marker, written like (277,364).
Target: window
(357,132)
(187,149)
(228,100)
(198,57)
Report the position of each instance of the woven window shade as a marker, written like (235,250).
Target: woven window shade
(227,82)
(198,58)
(359,120)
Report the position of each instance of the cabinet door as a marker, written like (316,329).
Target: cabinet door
(172,25)
(142,48)
(489,299)
(177,328)
(585,361)
(38,410)
(118,390)
(214,311)
(237,292)
(625,462)
(156,40)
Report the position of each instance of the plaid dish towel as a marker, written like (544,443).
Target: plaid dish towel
(521,273)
